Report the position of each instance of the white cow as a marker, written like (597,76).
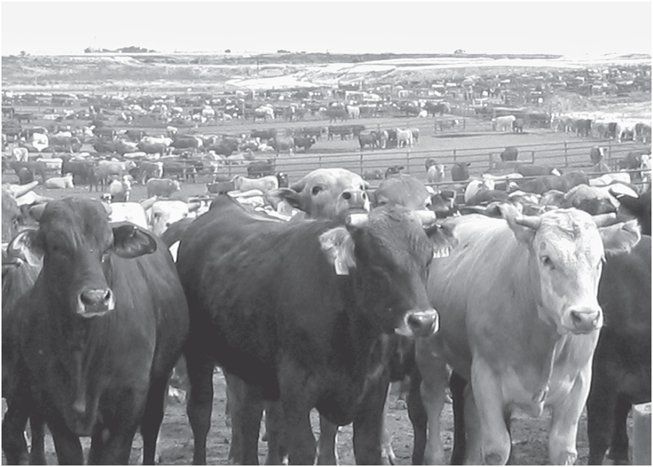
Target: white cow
(435,173)
(404,138)
(264,184)
(163,213)
(60,183)
(20,154)
(40,141)
(503,123)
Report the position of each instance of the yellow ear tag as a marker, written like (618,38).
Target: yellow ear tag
(341,267)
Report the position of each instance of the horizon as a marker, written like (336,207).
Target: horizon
(487,28)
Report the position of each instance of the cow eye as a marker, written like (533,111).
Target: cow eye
(105,257)
(316,190)
(546,261)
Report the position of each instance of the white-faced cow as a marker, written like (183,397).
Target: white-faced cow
(520,322)
(297,311)
(97,337)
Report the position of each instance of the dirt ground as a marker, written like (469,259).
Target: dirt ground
(529,436)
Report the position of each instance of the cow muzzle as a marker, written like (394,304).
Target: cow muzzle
(357,200)
(585,320)
(419,323)
(95,302)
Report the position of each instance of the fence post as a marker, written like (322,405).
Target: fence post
(361,162)
(464,124)
(319,161)
(566,159)
(454,156)
(532,157)
(407,159)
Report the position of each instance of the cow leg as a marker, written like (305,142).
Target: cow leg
(246,408)
(417,416)
(200,400)
(66,443)
(487,396)
(113,445)
(369,424)
(327,450)
(274,427)
(37,449)
(152,417)
(601,405)
(473,433)
(435,374)
(619,444)
(297,402)
(457,385)
(565,418)
(13,427)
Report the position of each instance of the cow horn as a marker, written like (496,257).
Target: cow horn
(426,216)
(22,190)
(36,211)
(532,222)
(605,220)
(147,203)
(194,205)
(357,219)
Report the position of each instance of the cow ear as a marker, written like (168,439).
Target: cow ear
(289,194)
(620,238)
(338,247)
(523,227)
(131,241)
(443,238)
(26,247)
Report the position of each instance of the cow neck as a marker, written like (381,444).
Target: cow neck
(77,343)
(362,331)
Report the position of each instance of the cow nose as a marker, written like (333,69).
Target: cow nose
(95,302)
(586,319)
(420,323)
(356,199)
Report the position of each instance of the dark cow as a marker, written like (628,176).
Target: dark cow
(342,130)
(104,133)
(544,183)
(635,208)
(18,277)
(510,154)
(518,125)
(258,169)
(35,167)
(437,108)
(282,143)
(393,170)
(373,174)
(349,280)
(460,171)
(97,339)
(304,142)
(596,154)
(368,140)
(583,127)
(264,134)
(621,371)
(84,172)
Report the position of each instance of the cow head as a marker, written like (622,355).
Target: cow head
(566,255)
(326,193)
(387,253)
(404,190)
(76,245)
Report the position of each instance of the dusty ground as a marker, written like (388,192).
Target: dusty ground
(176,444)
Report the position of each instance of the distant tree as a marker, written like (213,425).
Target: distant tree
(227,51)
(23,53)
(283,51)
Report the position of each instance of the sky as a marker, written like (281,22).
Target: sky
(565,28)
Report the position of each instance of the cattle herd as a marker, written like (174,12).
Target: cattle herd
(526,288)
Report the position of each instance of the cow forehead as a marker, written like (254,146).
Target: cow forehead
(335,178)
(573,234)
(80,220)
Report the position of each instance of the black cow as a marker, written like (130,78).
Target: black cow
(303,335)
(638,208)
(393,170)
(303,142)
(97,338)
(264,134)
(18,277)
(368,140)
(621,369)
(460,171)
(510,154)
(35,167)
(259,169)
(518,125)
